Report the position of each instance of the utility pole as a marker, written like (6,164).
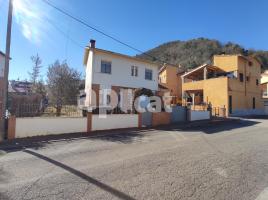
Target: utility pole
(6,72)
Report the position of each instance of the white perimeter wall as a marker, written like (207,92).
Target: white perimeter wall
(114,121)
(198,115)
(28,127)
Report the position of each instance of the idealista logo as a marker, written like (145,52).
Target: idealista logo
(107,100)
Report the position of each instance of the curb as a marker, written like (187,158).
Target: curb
(37,141)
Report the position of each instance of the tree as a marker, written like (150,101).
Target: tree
(37,65)
(63,85)
(38,85)
(195,52)
(39,88)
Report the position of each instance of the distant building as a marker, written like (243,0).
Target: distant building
(20,87)
(233,82)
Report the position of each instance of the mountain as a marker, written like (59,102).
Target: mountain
(195,52)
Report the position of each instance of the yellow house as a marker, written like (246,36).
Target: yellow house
(232,82)
(170,81)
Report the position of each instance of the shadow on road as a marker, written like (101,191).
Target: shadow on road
(212,127)
(121,136)
(83,176)
(126,136)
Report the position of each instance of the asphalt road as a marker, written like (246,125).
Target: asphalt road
(227,160)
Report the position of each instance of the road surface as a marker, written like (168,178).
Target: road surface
(226,160)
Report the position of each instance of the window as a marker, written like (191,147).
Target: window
(241,77)
(247,78)
(253,103)
(106,67)
(134,71)
(250,63)
(257,81)
(148,74)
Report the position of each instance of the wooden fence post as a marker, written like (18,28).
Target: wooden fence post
(139,120)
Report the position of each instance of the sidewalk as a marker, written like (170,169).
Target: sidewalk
(40,141)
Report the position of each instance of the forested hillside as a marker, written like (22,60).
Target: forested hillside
(195,52)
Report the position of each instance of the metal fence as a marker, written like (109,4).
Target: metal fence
(37,110)
(219,112)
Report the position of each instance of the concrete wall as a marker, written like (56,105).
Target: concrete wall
(161,118)
(266,107)
(116,121)
(198,115)
(146,119)
(248,112)
(28,127)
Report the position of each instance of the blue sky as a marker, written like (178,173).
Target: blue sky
(144,24)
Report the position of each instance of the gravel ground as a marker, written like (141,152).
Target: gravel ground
(226,160)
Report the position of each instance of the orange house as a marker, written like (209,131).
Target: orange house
(232,82)
(170,82)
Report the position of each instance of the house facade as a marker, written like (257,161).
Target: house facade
(232,82)
(264,85)
(170,80)
(108,71)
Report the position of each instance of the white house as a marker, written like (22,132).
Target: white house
(113,71)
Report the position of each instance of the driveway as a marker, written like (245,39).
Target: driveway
(224,160)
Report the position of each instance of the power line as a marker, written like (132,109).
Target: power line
(101,32)
(64,34)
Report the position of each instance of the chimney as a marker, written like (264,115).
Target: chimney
(92,43)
